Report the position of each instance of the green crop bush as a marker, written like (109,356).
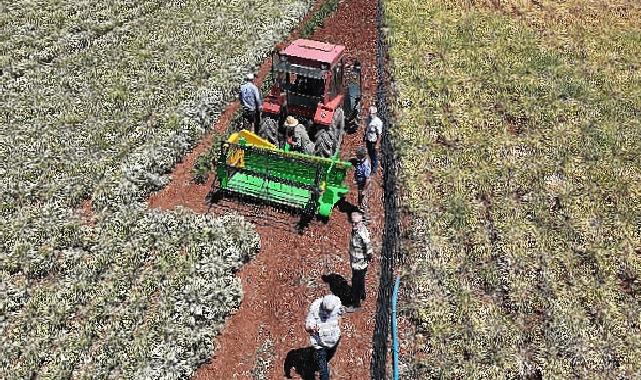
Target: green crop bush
(100,101)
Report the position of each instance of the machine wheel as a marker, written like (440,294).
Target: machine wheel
(269,130)
(324,146)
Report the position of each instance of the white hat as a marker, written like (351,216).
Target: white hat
(373,110)
(331,302)
(250,76)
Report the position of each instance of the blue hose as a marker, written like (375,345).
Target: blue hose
(395,327)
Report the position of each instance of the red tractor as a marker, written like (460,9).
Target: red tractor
(319,86)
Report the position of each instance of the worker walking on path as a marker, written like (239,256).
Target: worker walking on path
(373,134)
(297,136)
(251,103)
(360,254)
(362,173)
(323,326)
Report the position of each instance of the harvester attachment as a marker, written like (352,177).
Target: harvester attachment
(251,166)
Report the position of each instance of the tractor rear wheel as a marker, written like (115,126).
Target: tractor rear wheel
(324,146)
(269,130)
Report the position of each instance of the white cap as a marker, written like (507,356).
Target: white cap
(250,76)
(331,302)
(373,110)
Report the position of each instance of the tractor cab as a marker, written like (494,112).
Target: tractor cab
(319,86)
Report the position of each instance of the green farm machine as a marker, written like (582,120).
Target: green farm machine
(315,83)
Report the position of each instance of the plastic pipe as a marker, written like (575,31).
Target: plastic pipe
(395,327)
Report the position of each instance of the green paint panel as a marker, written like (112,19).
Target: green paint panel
(276,192)
(301,172)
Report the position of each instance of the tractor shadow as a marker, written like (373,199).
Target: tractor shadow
(339,286)
(302,361)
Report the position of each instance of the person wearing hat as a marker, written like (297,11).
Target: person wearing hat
(297,136)
(373,134)
(362,172)
(360,254)
(323,326)
(251,102)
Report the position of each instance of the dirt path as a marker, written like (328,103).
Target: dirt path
(267,331)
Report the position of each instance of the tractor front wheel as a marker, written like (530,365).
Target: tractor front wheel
(269,130)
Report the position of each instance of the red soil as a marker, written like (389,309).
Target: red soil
(285,277)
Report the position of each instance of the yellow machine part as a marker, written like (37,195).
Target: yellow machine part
(251,139)
(236,156)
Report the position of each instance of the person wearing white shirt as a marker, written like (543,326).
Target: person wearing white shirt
(323,326)
(373,134)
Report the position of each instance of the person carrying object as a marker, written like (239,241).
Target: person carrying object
(251,103)
(323,326)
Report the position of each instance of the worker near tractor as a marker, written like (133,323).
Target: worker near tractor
(373,134)
(360,254)
(362,173)
(323,326)
(251,103)
(297,136)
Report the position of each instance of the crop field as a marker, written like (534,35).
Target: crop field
(98,101)
(519,129)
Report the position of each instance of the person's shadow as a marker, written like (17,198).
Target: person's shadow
(302,360)
(339,286)
(347,208)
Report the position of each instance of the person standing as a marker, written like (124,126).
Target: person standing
(323,326)
(362,173)
(251,102)
(360,254)
(373,134)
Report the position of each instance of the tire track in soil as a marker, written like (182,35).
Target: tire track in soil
(285,277)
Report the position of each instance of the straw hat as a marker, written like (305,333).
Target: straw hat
(291,121)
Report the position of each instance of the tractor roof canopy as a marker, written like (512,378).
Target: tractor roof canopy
(314,51)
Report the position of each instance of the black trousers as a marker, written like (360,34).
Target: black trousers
(251,118)
(373,154)
(323,356)
(362,196)
(358,286)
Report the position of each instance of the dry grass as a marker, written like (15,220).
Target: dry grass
(526,115)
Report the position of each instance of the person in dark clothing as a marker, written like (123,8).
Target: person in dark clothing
(362,173)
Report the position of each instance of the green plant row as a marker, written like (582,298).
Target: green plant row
(129,292)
